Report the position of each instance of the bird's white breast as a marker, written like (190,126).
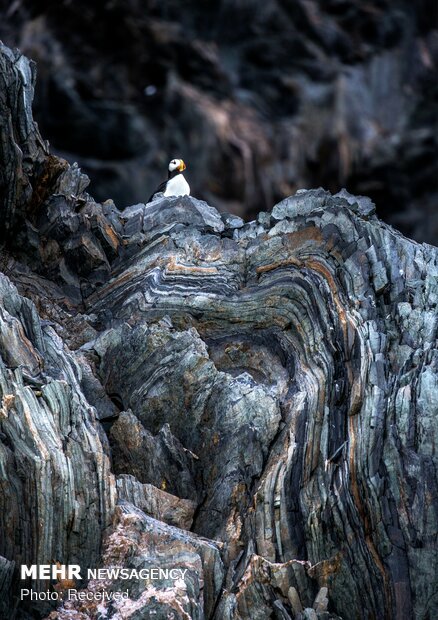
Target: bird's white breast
(177,186)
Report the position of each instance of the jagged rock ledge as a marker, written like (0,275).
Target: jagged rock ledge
(254,403)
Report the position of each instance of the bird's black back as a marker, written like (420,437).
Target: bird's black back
(162,186)
(159,189)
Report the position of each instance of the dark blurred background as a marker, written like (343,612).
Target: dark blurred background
(260,97)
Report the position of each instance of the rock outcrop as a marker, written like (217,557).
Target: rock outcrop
(260,98)
(251,403)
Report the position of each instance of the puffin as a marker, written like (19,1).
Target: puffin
(176,185)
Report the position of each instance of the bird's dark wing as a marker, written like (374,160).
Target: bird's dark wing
(159,189)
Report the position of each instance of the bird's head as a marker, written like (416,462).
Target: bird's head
(177,164)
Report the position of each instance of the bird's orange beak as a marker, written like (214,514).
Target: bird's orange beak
(181,166)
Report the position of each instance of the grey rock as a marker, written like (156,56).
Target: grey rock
(135,542)
(251,230)
(321,601)
(264,218)
(279,610)
(23,151)
(60,490)
(282,382)
(160,460)
(155,502)
(181,210)
(302,203)
(362,204)
(294,599)
(6,577)
(232,221)
(329,95)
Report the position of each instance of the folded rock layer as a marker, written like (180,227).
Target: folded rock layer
(253,404)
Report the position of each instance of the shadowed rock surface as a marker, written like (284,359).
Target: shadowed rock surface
(270,385)
(260,98)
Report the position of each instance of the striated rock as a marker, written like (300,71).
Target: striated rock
(155,502)
(321,601)
(170,371)
(141,543)
(272,386)
(294,599)
(6,577)
(259,98)
(25,157)
(58,492)
(160,460)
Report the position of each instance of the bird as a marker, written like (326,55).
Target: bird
(176,185)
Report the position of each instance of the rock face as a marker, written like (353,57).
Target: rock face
(251,403)
(260,98)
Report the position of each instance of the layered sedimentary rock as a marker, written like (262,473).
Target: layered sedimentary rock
(58,492)
(252,403)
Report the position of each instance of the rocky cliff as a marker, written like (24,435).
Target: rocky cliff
(260,98)
(252,403)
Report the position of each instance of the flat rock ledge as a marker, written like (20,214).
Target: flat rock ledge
(254,404)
